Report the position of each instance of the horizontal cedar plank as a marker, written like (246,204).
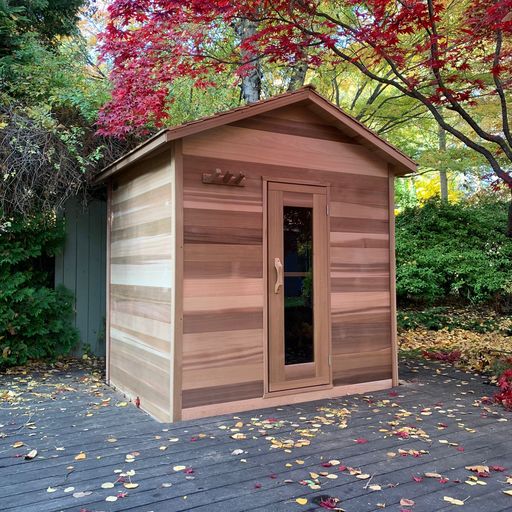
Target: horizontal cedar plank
(229,374)
(219,394)
(152,310)
(347,224)
(214,218)
(214,303)
(198,201)
(157,273)
(223,320)
(353,255)
(216,349)
(363,337)
(361,366)
(143,259)
(283,149)
(219,234)
(222,287)
(146,293)
(124,334)
(371,240)
(222,252)
(223,269)
(369,268)
(358,211)
(157,227)
(149,327)
(360,284)
(311,129)
(143,246)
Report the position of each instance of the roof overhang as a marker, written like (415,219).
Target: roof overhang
(400,163)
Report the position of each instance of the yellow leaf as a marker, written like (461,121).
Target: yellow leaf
(81,456)
(131,485)
(314,476)
(179,468)
(18,444)
(375,487)
(508,491)
(478,469)
(107,485)
(433,475)
(363,476)
(301,501)
(122,404)
(453,501)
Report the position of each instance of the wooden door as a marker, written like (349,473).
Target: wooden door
(298,286)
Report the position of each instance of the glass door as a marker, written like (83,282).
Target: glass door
(298,316)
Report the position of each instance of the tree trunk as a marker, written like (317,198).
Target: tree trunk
(443,178)
(298,76)
(251,81)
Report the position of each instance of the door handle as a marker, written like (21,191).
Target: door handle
(279,277)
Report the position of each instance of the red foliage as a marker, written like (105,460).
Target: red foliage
(151,43)
(504,397)
(448,357)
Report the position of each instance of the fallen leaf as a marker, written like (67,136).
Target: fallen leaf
(111,498)
(375,487)
(51,489)
(81,456)
(404,502)
(433,475)
(363,476)
(131,485)
(478,469)
(81,494)
(107,485)
(301,501)
(18,444)
(453,501)
(508,491)
(31,454)
(179,468)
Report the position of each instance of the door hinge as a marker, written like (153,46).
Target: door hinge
(330,360)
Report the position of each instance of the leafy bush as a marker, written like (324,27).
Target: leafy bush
(34,317)
(454,252)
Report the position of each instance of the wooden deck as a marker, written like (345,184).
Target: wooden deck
(439,426)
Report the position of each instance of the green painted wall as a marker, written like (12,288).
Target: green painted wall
(81,269)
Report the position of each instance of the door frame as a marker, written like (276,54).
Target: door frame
(292,181)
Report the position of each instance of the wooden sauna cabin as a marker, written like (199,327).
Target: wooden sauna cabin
(251,260)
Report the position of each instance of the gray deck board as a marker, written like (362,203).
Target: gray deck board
(68,410)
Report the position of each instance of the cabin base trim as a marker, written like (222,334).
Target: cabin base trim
(274,401)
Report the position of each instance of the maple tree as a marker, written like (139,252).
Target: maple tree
(448,56)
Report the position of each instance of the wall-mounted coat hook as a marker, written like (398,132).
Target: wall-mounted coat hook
(228,178)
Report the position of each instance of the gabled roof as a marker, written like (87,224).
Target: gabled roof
(318,104)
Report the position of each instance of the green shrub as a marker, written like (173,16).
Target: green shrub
(35,319)
(454,252)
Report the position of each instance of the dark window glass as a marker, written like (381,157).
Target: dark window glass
(298,284)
